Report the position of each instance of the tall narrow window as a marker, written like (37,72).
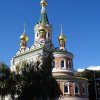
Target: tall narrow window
(48,35)
(66,88)
(84,88)
(76,88)
(70,64)
(66,65)
(62,64)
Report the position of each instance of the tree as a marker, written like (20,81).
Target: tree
(12,84)
(34,81)
(4,76)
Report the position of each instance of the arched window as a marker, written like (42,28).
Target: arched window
(66,88)
(70,64)
(84,89)
(62,64)
(66,64)
(76,88)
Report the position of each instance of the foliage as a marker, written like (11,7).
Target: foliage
(38,82)
(30,81)
(4,76)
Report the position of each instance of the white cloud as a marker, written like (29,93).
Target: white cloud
(90,68)
(80,69)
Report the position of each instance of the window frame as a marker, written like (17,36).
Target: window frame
(85,88)
(64,67)
(66,84)
(76,84)
(70,64)
(62,63)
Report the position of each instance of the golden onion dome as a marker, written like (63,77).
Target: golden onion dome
(24,37)
(42,28)
(62,37)
(43,3)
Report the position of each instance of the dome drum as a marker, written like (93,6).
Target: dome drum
(61,73)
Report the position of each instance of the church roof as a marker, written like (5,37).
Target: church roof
(44,18)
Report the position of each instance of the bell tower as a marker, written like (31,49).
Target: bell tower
(43,29)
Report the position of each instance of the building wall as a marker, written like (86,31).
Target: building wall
(71,95)
(74,98)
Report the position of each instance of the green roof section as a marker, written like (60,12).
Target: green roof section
(44,18)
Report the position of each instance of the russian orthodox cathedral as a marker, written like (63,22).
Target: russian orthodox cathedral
(72,88)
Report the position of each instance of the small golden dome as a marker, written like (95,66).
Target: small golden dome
(43,3)
(42,28)
(62,37)
(24,37)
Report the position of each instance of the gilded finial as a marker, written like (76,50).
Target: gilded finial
(62,36)
(43,4)
(24,36)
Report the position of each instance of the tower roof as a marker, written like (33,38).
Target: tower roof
(62,36)
(43,17)
(24,36)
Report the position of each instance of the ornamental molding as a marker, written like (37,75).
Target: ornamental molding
(62,55)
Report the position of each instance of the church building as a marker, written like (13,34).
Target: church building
(72,88)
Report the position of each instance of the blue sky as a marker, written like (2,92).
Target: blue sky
(81,25)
